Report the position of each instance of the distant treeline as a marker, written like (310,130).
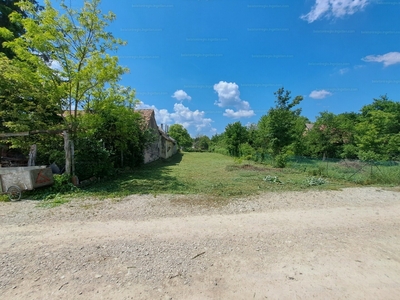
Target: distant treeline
(371,134)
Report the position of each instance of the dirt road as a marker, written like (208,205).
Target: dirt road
(297,245)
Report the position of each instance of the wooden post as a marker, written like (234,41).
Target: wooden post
(72,147)
(67,150)
(32,155)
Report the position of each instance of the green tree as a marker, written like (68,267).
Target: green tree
(24,102)
(332,136)
(254,136)
(78,49)
(181,135)
(10,29)
(218,144)
(378,131)
(111,119)
(235,135)
(280,128)
(68,60)
(25,105)
(202,143)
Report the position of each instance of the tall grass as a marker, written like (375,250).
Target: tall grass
(352,171)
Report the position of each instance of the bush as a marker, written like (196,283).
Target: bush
(246,151)
(220,150)
(62,184)
(91,159)
(281,160)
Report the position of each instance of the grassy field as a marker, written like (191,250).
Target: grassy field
(216,176)
(209,174)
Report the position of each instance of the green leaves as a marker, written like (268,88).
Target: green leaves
(181,135)
(70,49)
(235,135)
(24,104)
(280,127)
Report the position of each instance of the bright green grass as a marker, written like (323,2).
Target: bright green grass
(216,177)
(203,173)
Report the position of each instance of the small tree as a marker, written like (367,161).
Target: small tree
(277,128)
(235,135)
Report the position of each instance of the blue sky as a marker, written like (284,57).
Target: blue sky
(207,63)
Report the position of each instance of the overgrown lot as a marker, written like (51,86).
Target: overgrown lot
(217,176)
(208,174)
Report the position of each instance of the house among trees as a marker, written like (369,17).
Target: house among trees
(163,145)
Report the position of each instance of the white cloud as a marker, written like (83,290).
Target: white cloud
(184,116)
(181,95)
(321,94)
(344,71)
(387,59)
(230,113)
(229,96)
(334,8)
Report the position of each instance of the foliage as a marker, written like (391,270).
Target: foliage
(92,159)
(378,131)
(181,135)
(273,179)
(77,46)
(281,160)
(332,135)
(112,119)
(201,143)
(246,151)
(10,30)
(62,184)
(313,181)
(235,135)
(24,101)
(373,134)
(279,128)
(63,75)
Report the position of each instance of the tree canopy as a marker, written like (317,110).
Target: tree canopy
(181,135)
(282,125)
(64,73)
(371,134)
(71,51)
(12,30)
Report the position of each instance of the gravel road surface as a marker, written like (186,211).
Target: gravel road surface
(293,245)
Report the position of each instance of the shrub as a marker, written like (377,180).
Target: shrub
(281,160)
(91,159)
(246,151)
(62,184)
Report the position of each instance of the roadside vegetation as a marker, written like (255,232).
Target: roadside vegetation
(218,177)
